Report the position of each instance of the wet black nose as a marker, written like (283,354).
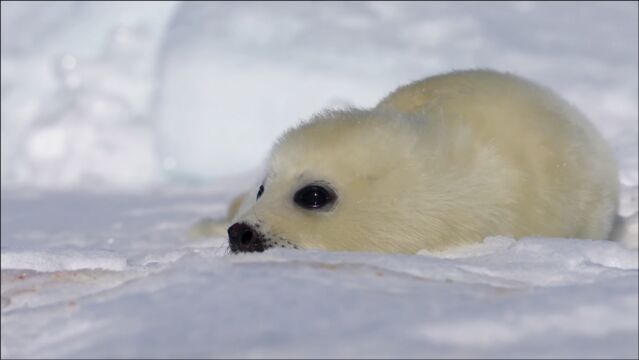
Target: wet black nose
(242,238)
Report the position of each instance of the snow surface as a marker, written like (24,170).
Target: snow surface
(124,123)
(127,282)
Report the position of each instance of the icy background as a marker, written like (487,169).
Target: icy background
(123,123)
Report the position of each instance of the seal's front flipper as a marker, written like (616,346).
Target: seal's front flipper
(209,227)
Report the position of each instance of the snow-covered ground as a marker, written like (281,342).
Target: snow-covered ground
(122,124)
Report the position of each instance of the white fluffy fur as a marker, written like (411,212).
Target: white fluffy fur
(440,162)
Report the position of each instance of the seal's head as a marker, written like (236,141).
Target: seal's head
(350,180)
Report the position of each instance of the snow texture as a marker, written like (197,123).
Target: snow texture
(124,123)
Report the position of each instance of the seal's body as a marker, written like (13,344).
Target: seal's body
(440,162)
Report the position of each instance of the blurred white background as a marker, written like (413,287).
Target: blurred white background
(103,95)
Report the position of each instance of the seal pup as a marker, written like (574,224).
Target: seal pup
(441,162)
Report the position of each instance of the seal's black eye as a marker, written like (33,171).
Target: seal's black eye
(314,197)
(260,191)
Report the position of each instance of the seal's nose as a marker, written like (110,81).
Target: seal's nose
(242,238)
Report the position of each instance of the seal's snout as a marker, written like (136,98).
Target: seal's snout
(243,238)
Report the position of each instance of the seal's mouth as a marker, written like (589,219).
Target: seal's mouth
(244,238)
